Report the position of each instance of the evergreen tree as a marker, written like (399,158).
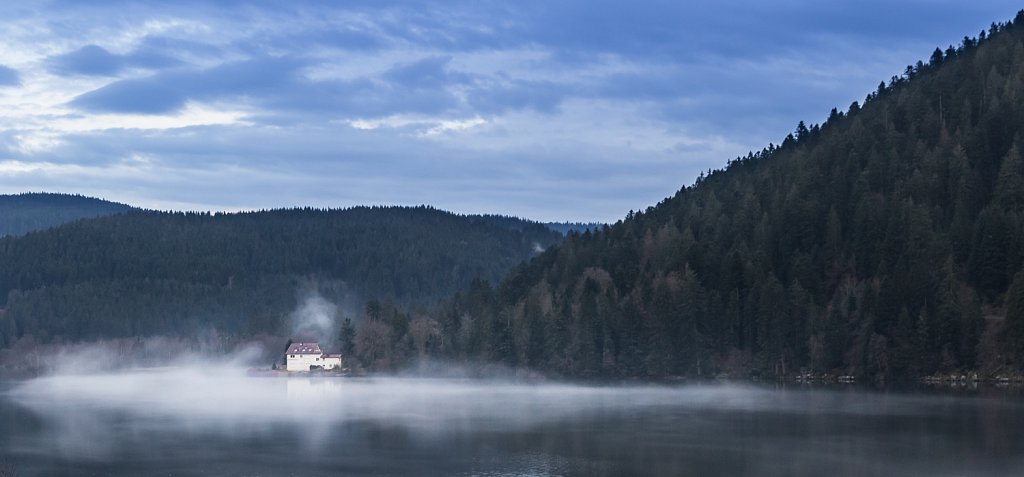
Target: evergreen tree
(1010,184)
(347,337)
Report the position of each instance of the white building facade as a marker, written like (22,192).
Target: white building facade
(303,356)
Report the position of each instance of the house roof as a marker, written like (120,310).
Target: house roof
(304,348)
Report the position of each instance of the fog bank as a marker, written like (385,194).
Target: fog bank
(212,413)
(217,393)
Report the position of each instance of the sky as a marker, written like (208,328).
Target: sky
(549,110)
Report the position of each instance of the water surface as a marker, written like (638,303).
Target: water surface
(178,422)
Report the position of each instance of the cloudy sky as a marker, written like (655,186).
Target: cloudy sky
(552,110)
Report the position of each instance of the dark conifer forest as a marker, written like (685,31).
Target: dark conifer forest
(578,227)
(158,273)
(23,213)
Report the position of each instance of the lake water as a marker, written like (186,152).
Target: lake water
(177,422)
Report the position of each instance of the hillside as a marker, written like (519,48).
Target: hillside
(146,273)
(24,213)
(886,243)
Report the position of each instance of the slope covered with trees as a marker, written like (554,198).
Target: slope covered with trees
(886,242)
(24,213)
(145,273)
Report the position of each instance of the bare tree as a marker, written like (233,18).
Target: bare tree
(425,332)
(373,344)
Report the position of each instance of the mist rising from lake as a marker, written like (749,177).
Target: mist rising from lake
(197,421)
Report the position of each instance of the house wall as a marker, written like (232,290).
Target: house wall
(302,362)
(331,363)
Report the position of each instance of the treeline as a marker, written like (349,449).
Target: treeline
(24,213)
(886,242)
(579,227)
(145,273)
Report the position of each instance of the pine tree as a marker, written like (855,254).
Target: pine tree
(346,337)
(1010,182)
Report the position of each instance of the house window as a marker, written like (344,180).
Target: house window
(293,355)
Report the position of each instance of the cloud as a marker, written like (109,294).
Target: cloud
(94,60)
(503,95)
(345,37)
(88,60)
(9,76)
(427,73)
(164,93)
(144,96)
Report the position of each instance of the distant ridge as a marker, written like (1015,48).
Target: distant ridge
(32,211)
(145,273)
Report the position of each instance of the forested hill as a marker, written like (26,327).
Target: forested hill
(145,273)
(885,242)
(23,213)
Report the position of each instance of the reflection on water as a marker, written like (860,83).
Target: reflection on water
(182,422)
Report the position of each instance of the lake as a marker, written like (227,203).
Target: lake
(181,422)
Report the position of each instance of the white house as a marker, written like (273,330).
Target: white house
(303,356)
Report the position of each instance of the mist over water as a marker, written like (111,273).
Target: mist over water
(221,394)
(198,420)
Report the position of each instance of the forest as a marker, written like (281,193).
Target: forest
(28,212)
(146,273)
(885,243)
